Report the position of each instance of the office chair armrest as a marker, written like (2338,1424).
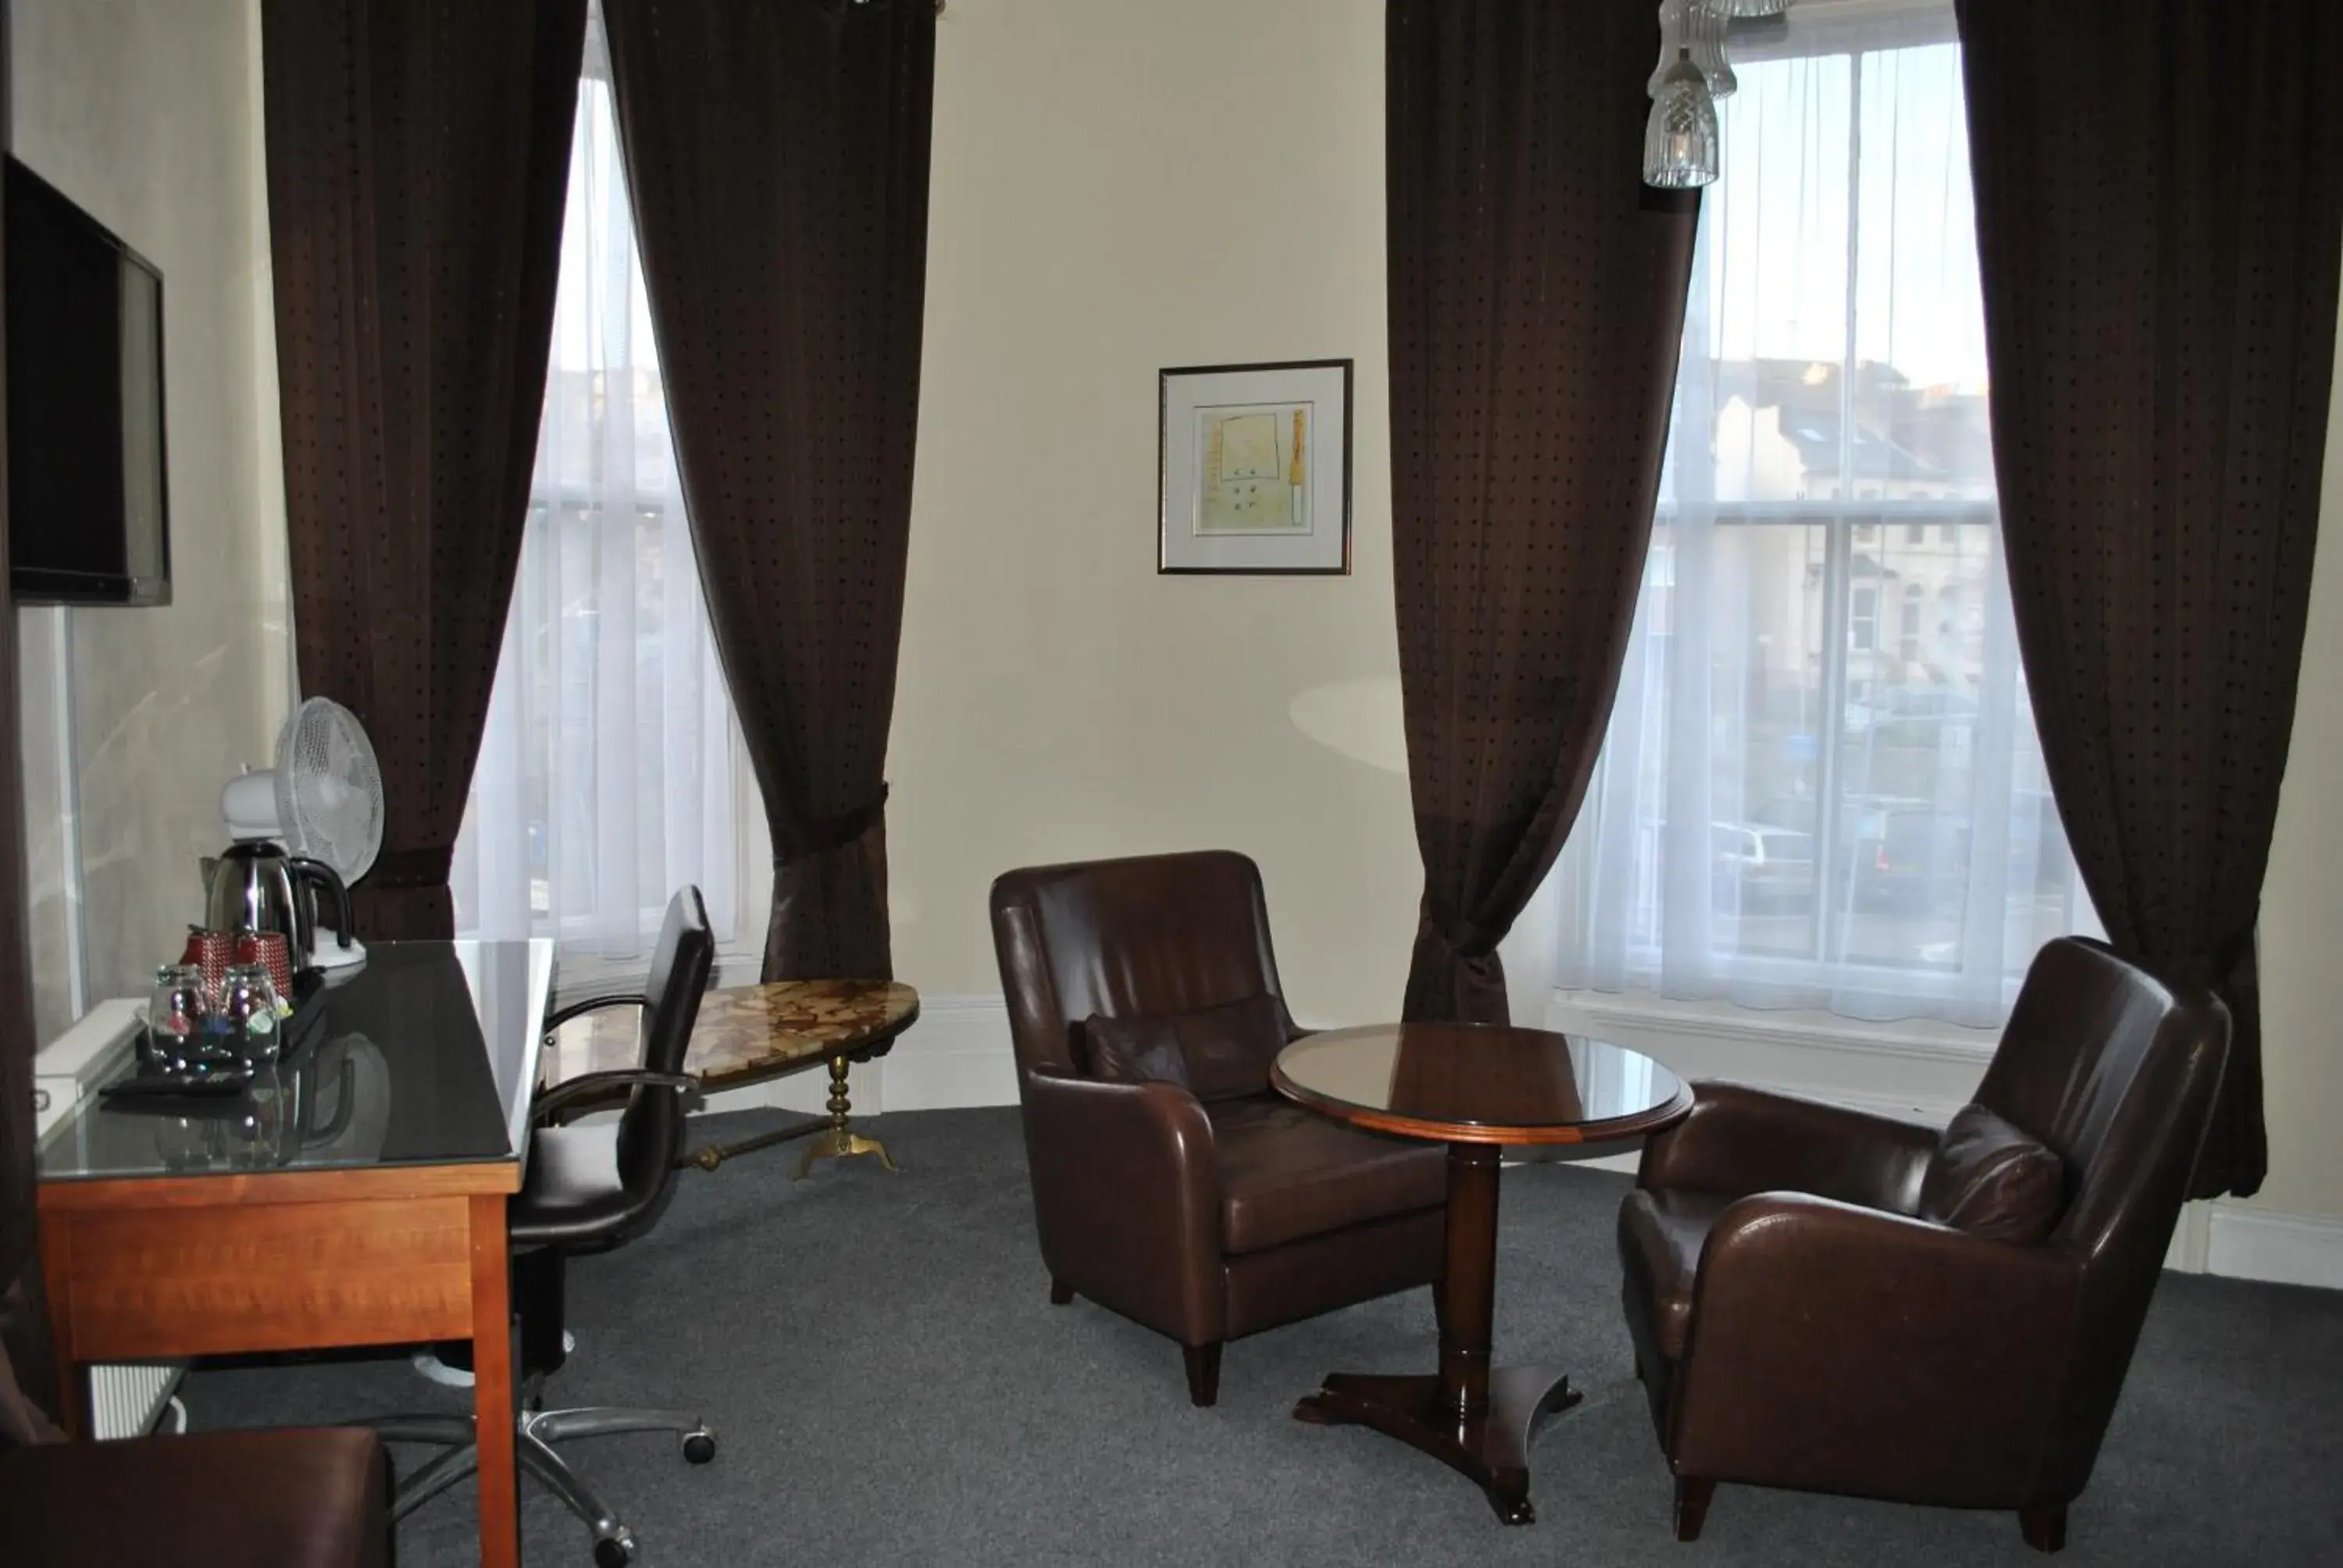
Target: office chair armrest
(600,1087)
(1908,1359)
(1738,1140)
(555,1020)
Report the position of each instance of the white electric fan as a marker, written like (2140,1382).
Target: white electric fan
(322,800)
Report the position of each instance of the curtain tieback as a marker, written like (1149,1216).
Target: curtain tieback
(2230,957)
(1449,983)
(813,836)
(2216,967)
(411,869)
(1468,949)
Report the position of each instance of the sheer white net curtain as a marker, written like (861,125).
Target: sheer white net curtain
(608,772)
(1821,786)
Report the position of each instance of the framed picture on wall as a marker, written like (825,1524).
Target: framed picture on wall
(1254,468)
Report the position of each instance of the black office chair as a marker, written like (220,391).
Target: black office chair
(588,1188)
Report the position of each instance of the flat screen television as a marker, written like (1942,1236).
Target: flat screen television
(88,505)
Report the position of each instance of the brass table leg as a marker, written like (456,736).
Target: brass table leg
(835,1141)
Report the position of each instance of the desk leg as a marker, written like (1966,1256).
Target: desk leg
(73,1378)
(492,1386)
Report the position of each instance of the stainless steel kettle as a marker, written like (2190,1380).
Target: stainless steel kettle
(256,886)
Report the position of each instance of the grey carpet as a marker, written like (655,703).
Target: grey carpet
(891,1385)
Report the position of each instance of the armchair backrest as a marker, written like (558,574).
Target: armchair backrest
(651,1128)
(1126,939)
(2116,1070)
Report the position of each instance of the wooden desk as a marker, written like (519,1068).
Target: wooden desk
(369,1240)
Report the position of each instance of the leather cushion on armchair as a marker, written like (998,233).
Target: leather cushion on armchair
(1288,1173)
(1215,1052)
(1134,1051)
(1660,1233)
(223,1499)
(1992,1180)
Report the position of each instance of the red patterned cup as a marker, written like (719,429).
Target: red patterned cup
(213,952)
(268,950)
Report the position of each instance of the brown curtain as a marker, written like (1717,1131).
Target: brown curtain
(778,154)
(1538,293)
(418,158)
(2159,200)
(24,1314)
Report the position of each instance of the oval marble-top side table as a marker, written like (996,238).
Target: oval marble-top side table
(753,1034)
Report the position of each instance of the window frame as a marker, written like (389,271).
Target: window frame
(1849,522)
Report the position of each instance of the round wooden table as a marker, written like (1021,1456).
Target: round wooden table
(1474,1087)
(753,1034)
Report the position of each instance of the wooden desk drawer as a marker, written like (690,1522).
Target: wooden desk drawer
(219,1280)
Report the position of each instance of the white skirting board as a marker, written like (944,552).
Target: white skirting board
(2246,1243)
(958,1056)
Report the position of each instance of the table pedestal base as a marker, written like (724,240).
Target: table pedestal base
(1492,1447)
(837,1140)
(837,1143)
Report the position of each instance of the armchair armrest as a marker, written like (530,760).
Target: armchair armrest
(1843,1349)
(1738,1140)
(592,1088)
(559,1016)
(1127,1197)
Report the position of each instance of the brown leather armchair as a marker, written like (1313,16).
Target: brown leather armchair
(1203,1219)
(209,1499)
(1797,1323)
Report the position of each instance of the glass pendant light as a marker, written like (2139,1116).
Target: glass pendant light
(1704,32)
(1680,141)
(1697,26)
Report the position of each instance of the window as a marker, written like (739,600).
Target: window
(1798,805)
(1863,619)
(607,770)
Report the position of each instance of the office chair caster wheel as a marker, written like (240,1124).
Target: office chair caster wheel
(699,1447)
(614,1551)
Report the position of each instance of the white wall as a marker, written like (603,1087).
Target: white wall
(2302,899)
(1122,185)
(148,114)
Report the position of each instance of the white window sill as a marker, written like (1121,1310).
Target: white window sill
(1587,1010)
(1917,1067)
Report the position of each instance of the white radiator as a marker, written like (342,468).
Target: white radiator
(124,1400)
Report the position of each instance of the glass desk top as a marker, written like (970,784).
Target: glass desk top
(425,1055)
(1481,1083)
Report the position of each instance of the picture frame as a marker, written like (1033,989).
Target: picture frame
(1253,469)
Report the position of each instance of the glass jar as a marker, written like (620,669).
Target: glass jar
(248,1004)
(176,1015)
